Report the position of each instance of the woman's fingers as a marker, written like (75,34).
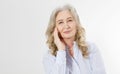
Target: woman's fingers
(56,37)
(55,33)
(58,42)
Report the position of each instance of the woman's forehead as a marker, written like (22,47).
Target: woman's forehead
(64,14)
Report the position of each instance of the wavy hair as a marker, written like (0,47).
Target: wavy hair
(80,34)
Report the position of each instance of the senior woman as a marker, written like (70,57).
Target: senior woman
(69,52)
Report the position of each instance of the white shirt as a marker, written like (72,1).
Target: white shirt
(63,63)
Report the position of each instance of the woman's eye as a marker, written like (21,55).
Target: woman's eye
(60,22)
(69,20)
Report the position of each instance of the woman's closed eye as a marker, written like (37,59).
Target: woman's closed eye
(60,23)
(70,20)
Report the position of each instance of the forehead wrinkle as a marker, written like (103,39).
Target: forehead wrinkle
(66,19)
(69,16)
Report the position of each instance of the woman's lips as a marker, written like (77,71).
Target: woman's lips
(66,32)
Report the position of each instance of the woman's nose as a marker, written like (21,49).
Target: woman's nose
(66,26)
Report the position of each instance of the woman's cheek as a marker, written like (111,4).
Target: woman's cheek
(60,29)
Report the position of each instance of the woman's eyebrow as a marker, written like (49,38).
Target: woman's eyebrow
(62,19)
(69,17)
(59,20)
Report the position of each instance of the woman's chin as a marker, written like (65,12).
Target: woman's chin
(67,37)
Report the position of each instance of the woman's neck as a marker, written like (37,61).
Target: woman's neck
(69,42)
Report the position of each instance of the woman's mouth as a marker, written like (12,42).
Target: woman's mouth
(66,32)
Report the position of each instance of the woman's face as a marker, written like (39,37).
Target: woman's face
(66,24)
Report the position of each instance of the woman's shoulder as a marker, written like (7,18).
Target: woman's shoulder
(92,47)
(48,56)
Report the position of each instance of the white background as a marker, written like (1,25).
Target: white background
(22,32)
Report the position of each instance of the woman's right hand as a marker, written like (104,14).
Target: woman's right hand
(59,43)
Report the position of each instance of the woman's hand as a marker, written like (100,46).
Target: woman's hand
(59,43)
